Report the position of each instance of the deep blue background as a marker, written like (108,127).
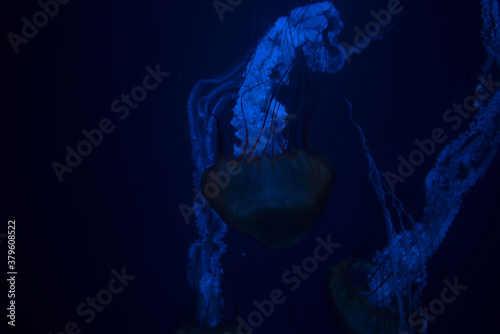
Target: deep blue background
(119,207)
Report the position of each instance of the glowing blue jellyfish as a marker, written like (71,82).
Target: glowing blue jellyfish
(265,148)
(375,295)
(381,295)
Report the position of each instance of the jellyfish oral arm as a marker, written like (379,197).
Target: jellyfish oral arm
(258,129)
(258,118)
(458,167)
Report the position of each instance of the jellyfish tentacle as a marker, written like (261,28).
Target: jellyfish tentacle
(204,267)
(248,89)
(458,167)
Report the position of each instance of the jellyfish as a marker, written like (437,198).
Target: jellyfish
(271,186)
(381,294)
(353,311)
(267,183)
(261,183)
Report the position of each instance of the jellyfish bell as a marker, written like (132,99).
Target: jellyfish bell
(348,295)
(282,187)
(275,199)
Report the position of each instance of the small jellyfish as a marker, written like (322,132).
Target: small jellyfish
(348,290)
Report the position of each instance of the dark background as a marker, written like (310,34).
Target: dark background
(118,208)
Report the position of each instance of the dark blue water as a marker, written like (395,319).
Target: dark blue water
(117,210)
